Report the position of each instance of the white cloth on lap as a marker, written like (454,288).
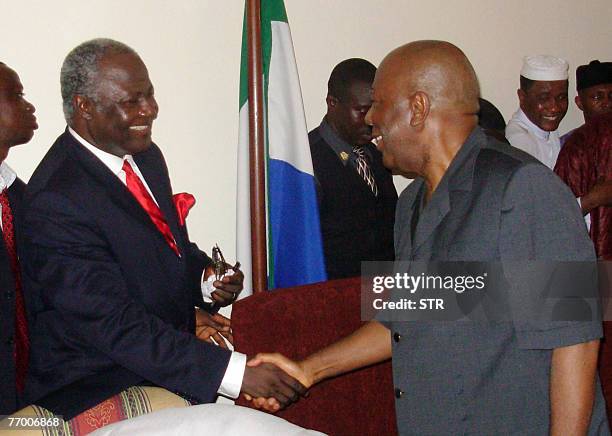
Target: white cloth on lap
(213,419)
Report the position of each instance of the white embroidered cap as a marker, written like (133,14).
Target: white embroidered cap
(544,67)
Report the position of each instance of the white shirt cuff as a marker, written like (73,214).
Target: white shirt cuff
(587,217)
(207,289)
(232,380)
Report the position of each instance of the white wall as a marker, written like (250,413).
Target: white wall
(192,49)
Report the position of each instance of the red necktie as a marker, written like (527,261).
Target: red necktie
(22,343)
(139,191)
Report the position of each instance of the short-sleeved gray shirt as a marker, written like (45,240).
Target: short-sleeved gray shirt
(495,203)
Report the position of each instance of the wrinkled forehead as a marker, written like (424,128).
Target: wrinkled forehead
(390,78)
(121,73)
(122,66)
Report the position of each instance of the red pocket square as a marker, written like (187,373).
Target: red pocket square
(183,202)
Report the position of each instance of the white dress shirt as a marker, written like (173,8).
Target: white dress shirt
(523,134)
(544,146)
(232,379)
(7,177)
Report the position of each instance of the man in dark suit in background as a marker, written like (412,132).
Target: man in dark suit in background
(356,193)
(112,278)
(17,124)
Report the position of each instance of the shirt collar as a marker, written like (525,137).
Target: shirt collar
(542,134)
(114,163)
(7,176)
(343,149)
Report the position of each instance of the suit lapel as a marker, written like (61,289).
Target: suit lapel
(116,190)
(158,181)
(15,194)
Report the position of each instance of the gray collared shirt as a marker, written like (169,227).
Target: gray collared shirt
(486,378)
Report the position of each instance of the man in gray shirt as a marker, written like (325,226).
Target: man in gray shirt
(475,199)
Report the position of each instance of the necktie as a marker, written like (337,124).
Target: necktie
(363,168)
(139,191)
(22,343)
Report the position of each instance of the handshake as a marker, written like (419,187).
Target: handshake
(272,381)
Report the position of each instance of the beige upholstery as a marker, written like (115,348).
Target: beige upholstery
(132,402)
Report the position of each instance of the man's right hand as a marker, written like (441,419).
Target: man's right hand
(295,369)
(268,381)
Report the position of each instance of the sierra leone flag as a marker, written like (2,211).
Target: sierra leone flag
(295,249)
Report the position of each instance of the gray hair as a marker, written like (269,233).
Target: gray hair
(80,70)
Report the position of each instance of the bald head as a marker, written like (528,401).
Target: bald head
(425,104)
(438,69)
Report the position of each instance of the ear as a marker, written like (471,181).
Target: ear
(420,105)
(83,106)
(578,101)
(521,96)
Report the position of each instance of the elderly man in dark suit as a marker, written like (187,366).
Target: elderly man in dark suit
(355,191)
(17,124)
(112,278)
(475,199)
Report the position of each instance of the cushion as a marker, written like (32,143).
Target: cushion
(132,402)
(210,419)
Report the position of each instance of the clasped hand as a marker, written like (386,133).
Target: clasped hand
(300,381)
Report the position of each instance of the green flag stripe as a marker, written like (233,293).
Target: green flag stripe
(271,10)
(244,90)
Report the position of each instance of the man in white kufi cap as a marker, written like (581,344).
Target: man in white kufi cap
(542,105)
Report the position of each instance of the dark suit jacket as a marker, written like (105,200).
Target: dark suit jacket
(8,394)
(355,225)
(111,304)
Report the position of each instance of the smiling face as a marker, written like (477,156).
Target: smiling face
(119,118)
(17,120)
(390,117)
(424,106)
(545,103)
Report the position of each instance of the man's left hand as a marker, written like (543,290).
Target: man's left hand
(213,328)
(228,288)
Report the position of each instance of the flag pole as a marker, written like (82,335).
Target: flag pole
(256,147)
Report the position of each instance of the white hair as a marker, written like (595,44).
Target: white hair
(79,72)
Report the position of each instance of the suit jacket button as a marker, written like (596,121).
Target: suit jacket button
(397,337)
(10,341)
(399,393)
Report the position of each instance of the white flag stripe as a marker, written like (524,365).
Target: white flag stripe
(287,123)
(243,203)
